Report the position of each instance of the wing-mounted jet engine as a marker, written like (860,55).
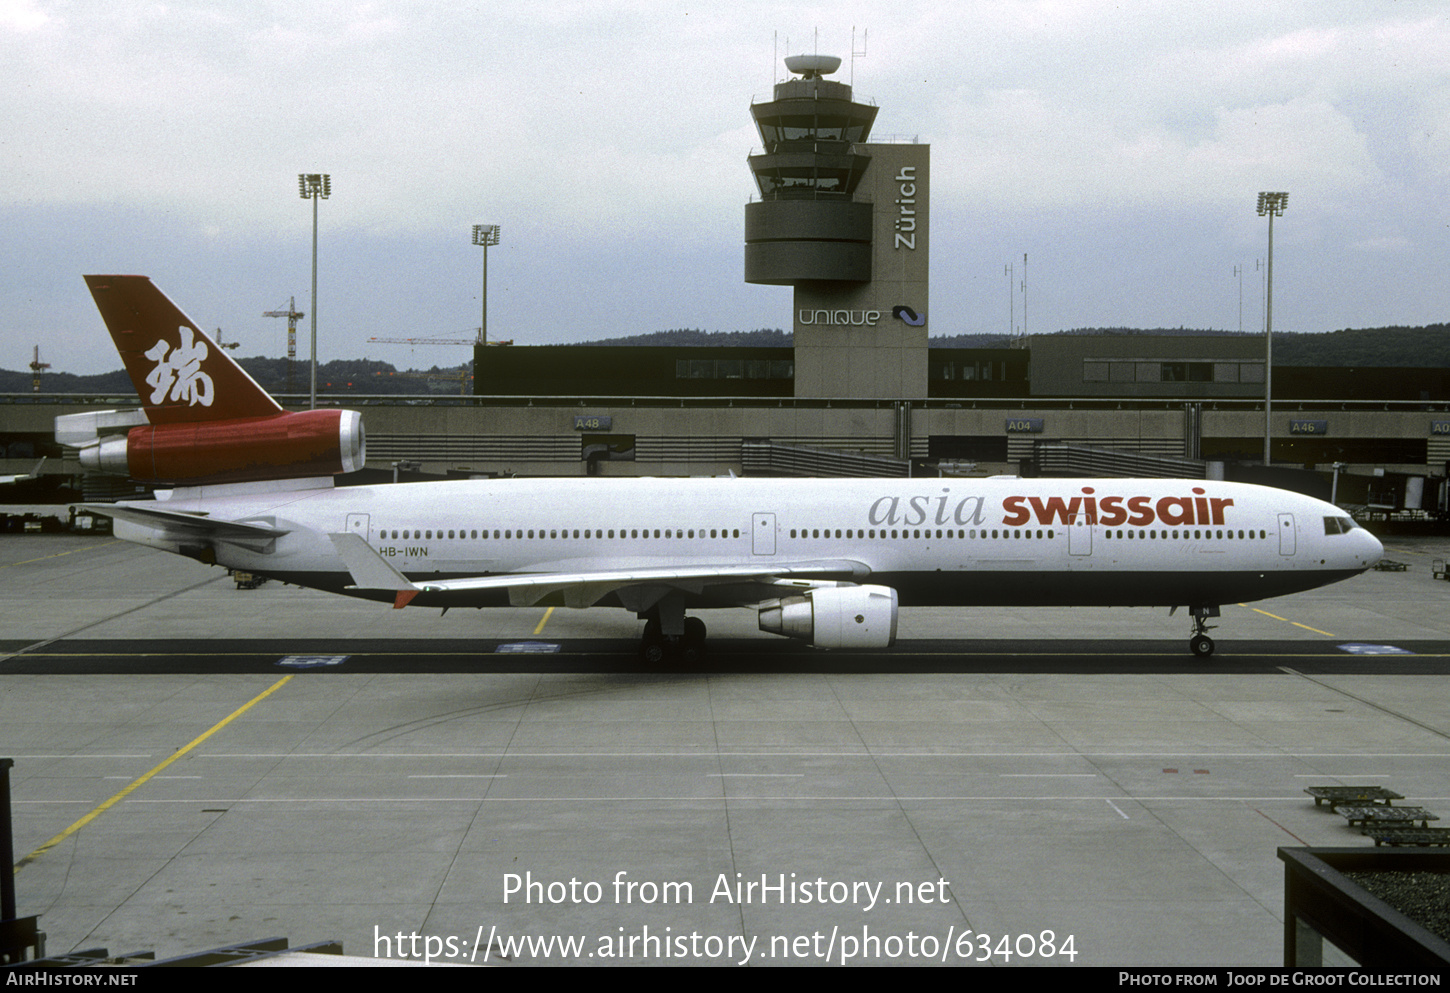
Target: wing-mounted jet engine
(835,617)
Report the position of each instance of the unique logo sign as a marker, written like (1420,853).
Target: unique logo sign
(1024,425)
(906,315)
(852,318)
(178,374)
(860,318)
(1308,427)
(593,422)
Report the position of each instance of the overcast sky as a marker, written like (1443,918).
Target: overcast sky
(1119,145)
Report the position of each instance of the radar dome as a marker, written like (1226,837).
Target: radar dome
(811,66)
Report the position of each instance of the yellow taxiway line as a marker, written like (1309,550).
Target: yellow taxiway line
(136,783)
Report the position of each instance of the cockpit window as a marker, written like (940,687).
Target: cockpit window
(1338,525)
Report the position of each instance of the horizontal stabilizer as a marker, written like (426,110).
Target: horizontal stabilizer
(22,477)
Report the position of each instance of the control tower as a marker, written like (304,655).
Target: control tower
(844,222)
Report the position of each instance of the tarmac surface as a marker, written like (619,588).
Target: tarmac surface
(198,765)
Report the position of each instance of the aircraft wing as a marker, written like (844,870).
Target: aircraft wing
(22,477)
(370,571)
(176,525)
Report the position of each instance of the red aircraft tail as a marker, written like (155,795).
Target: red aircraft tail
(179,373)
(209,421)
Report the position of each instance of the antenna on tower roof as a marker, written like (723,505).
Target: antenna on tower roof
(855,54)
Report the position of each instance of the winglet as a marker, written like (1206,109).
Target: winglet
(370,571)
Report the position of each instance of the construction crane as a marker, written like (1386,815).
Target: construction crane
(441,340)
(463,376)
(293,315)
(36,368)
(475,340)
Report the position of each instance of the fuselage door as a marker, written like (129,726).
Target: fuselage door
(357,524)
(762,534)
(1286,534)
(1080,535)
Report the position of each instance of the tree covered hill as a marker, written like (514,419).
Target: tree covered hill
(695,338)
(1388,347)
(1353,348)
(358,376)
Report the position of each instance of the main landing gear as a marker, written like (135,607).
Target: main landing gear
(1199,643)
(671,636)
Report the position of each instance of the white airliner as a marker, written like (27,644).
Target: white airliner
(829,561)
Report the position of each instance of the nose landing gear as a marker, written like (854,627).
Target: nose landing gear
(671,636)
(1199,643)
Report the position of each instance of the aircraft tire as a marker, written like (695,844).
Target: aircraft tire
(653,648)
(694,631)
(1201,645)
(692,646)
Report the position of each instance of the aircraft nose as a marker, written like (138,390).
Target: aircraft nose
(1372,548)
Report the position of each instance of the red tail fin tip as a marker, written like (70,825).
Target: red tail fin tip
(179,373)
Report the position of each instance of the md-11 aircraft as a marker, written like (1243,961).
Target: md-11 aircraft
(828,561)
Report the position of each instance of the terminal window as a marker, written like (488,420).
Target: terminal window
(734,369)
(970,371)
(1187,371)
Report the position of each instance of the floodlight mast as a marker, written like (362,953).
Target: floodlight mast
(1273,205)
(484,235)
(314,186)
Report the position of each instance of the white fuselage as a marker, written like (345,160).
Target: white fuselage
(1123,542)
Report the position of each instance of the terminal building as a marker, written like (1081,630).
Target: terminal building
(845,221)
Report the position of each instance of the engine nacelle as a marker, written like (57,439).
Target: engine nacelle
(285,446)
(835,617)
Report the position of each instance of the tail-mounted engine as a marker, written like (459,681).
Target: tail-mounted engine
(835,617)
(283,446)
